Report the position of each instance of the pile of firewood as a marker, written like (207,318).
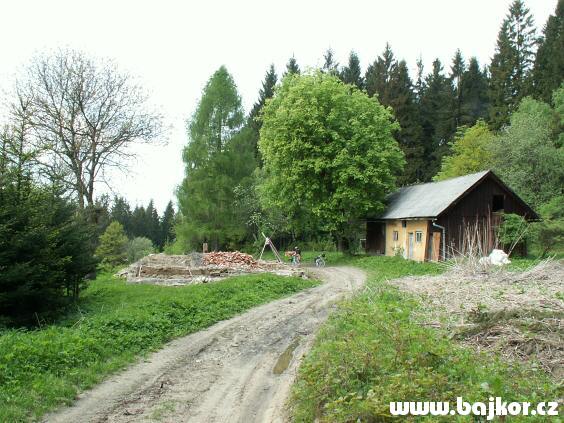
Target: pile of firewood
(229,259)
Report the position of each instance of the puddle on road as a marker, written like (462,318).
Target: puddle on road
(285,358)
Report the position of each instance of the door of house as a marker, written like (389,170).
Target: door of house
(410,246)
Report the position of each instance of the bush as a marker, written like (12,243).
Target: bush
(45,251)
(138,248)
(512,232)
(549,234)
(112,250)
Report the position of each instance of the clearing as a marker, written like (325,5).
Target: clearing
(237,370)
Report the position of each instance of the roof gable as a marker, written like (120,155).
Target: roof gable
(430,199)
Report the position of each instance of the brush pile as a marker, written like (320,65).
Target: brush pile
(230,259)
(517,314)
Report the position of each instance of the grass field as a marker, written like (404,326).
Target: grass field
(372,352)
(115,323)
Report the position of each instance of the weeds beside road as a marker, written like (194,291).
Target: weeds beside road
(372,351)
(115,323)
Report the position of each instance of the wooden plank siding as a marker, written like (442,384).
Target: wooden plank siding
(476,207)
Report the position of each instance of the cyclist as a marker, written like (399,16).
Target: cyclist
(297,257)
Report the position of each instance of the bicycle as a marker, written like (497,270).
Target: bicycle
(320,260)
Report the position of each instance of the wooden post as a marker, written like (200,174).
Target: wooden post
(205,248)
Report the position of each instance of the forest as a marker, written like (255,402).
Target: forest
(246,175)
(315,156)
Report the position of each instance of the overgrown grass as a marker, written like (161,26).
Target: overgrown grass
(372,352)
(115,323)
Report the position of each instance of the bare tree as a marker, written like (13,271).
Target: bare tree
(85,116)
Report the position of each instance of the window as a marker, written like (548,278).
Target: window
(497,203)
(418,237)
(396,235)
(404,223)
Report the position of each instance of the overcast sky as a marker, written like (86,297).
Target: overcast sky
(174,47)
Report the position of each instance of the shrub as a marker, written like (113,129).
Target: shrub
(138,248)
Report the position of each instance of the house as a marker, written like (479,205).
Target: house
(438,219)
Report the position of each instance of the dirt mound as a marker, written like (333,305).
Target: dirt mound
(518,314)
(162,269)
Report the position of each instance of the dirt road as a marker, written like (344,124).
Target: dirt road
(239,370)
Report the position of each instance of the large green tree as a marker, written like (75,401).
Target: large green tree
(528,155)
(548,72)
(218,157)
(329,154)
(470,152)
(512,63)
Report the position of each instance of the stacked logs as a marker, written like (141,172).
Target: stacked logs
(230,259)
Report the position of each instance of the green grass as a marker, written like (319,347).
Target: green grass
(372,352)
(114,324)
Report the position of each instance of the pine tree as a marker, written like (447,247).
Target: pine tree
(352,73)
(292,67)
(512,62)
(548,72)
(379,74)
(437,117)
(330,66)
(456,73)
(474,92)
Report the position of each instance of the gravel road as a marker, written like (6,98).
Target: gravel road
(238,370)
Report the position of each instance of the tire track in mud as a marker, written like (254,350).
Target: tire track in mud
(238,370)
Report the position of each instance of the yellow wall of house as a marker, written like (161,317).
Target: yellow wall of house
(401,245)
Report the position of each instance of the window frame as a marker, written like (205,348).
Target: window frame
(418,237)
(395,236)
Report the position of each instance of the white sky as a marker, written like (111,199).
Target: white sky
(174,47)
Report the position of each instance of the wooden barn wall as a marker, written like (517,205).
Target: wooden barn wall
(477,205)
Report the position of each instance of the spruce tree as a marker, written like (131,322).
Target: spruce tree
(420,81)
(548,72)
(437,117)
(511,64)
(112,250)
(121,212)
(138,222)
(167,225)
(474,92)
(456,73)
(352,73)
(379,74)
(292,67)
(410,136)
(330,66)
(254,121)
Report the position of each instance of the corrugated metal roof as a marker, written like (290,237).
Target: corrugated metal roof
(428,200)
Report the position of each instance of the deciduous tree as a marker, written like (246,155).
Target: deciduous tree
(329,154)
